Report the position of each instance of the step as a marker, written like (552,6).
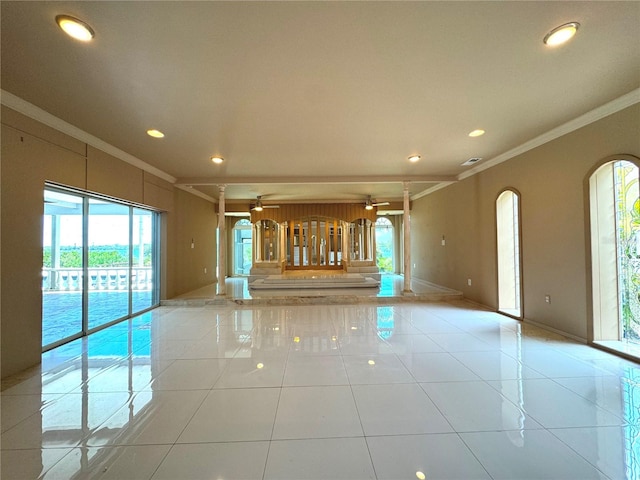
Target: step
(345,280)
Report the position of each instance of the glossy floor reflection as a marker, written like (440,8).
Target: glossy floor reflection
(324,392)
(391,286)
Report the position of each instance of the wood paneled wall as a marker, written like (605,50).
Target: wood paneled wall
(347,212)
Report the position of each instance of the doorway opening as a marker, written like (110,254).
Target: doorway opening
(384,245)
(242,247)
(313,242)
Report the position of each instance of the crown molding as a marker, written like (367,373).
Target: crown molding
(36,113)
(431,190)
(195,192)
(314,180)
(592,116)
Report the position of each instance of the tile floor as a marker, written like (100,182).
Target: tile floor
(391,286)
(324,392)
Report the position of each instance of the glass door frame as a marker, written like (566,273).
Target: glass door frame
(317,241)
(57,280)
(155,262)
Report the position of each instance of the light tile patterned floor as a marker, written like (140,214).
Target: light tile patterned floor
(324,392)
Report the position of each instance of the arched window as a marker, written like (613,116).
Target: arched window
(614,212)
(384,245)
(508,254)
(242,247)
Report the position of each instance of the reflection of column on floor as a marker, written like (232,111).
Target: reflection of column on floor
(222,240)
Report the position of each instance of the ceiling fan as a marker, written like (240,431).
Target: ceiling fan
(369,204)
(258,207)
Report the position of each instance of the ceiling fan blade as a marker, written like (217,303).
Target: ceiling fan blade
(380,204)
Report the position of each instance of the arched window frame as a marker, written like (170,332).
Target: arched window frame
(602,298)
(240,224)
(518,228)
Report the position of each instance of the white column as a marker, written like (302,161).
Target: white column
(222,248)
(406,223)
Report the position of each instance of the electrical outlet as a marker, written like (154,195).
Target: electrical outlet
(468,281)
(547,298)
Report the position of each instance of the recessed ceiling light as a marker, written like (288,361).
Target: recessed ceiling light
(420,475)
(75,28)
(561,34)
(414,158)
(476,133)
(217,160)
(155,133)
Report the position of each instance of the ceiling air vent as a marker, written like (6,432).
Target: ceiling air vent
(471,161)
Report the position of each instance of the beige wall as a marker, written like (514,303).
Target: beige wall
(551,181)
(195,222)
(32,154)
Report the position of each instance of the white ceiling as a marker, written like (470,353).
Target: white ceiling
(318,101)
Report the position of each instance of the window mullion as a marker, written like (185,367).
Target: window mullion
(85,265)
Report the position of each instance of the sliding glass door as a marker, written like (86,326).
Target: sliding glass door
(99,264)
(143,259)
(108,262)
(62,267)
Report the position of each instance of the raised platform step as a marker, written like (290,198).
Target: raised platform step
(342,280)
(389,293)
(299,298)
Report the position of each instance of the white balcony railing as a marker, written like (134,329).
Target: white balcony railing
(103,278)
